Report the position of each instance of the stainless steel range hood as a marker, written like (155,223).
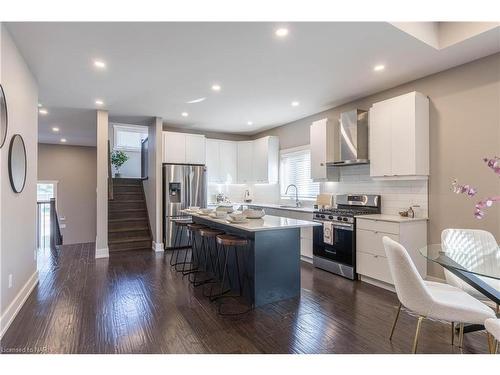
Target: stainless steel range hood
(353,137)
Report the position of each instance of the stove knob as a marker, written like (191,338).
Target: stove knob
(322,216)
(339,218)
(317,215)
(345,219)
(330,217)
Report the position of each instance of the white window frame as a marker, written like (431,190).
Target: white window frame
(129,128)
(52,182)
(288,151)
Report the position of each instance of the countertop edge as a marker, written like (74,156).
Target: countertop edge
(391,218)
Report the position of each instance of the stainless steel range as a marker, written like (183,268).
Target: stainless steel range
(334,243)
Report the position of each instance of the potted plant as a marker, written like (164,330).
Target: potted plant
(118,158)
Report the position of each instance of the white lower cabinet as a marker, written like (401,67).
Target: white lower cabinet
(371,261)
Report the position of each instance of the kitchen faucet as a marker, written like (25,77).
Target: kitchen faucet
(297,202)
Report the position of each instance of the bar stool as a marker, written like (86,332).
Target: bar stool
(236,243)
(192,229)
(180,228)
(208,247)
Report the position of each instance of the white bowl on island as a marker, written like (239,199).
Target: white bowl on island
(254,214)
(237,216)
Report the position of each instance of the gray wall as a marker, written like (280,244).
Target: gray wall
(74,167)
(17,211)
(464,128)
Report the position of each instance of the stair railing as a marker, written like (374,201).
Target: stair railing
(56,238)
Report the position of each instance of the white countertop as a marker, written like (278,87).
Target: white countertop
(268,222)
(266,205)
(391,218)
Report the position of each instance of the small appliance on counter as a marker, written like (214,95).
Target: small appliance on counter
(324,201)
(247,198)
(334,242)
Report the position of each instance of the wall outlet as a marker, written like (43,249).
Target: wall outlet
(62,226)
(62,218)
(10,280)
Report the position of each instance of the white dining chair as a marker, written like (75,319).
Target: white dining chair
(474,248)
(493,328)
(429,299)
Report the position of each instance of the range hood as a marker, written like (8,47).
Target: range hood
(353,136)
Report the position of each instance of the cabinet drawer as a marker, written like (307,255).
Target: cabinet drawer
(370,241)
(374,266)
(377,225)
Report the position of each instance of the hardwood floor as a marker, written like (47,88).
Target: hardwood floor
(134,303)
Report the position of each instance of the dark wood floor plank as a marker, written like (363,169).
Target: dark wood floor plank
(134,302)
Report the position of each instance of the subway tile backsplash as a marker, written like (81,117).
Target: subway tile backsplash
(396,195)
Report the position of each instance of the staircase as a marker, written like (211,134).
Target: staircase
(128,222)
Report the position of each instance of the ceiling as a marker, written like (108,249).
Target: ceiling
(154,69)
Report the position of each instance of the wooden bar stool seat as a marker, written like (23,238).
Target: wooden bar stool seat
(231,240)
(210,232)
(195,226)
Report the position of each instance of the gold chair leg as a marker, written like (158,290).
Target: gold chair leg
(415,341)
(461,336)
(452,333)
(395,321)
(491,343)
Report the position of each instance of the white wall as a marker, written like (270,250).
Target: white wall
(18,211)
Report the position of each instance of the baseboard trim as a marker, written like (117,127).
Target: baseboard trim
(11,312)
(102,253)
(158,247)
(306,259)
(378,283)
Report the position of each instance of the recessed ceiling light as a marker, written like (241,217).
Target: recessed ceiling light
(295,103)
(40,105)
(43,111)
(184,114)
(63,140)
(55,129)
(378,68)
(99,102)
(249,123)
(281,32)
(196,100)
(216,87)
(99,64)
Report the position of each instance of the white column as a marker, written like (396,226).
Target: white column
(153,185)
(101,241)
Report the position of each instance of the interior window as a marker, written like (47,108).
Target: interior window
(129,138)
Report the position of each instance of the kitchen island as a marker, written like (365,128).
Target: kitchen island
(272,259)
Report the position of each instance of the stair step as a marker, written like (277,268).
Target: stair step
(121,206)
(128,228)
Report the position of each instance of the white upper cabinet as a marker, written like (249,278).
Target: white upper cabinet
(324,148)
(213,160)
(195,149)
(258,161)
(183,148)
(245,164)
(221,161)
(228,162)
(399,137)
(265,160)
(174,147)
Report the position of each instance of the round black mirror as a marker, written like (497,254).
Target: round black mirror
(3,117)
(17,163)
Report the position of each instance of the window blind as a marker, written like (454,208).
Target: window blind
(295,168)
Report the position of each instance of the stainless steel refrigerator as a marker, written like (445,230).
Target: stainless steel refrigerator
(183,186)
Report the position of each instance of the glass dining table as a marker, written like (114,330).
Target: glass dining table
(481,271)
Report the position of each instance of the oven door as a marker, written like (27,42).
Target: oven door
(342,249)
